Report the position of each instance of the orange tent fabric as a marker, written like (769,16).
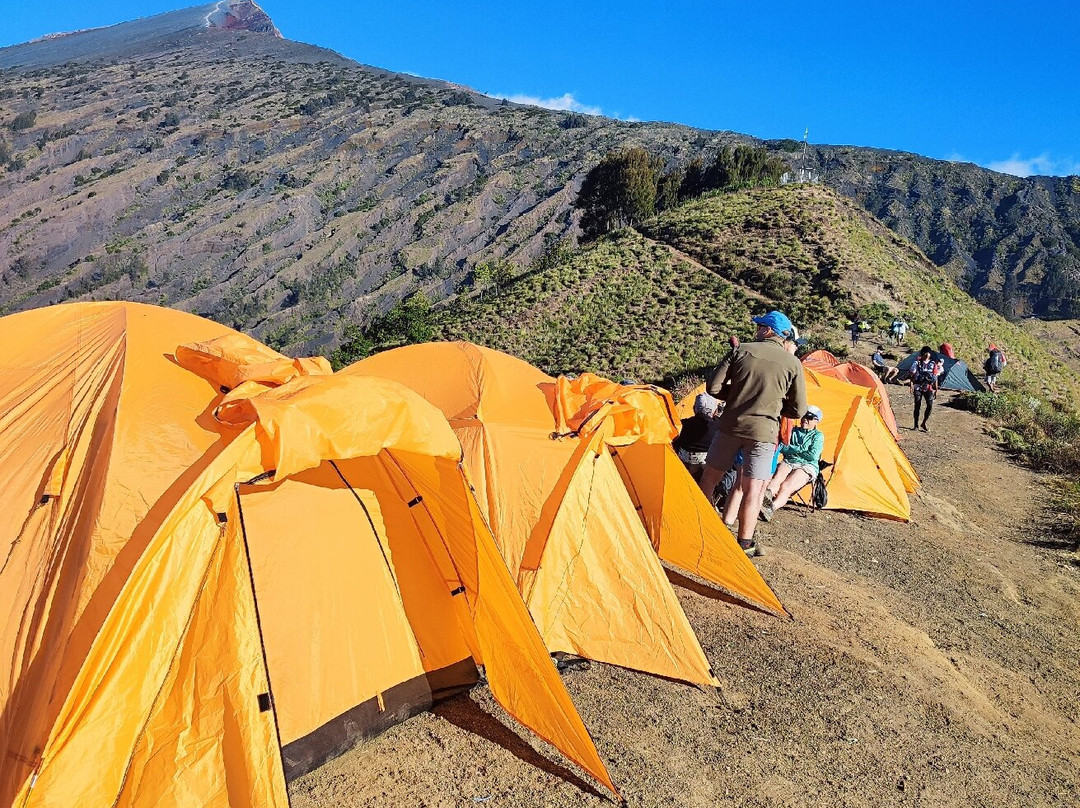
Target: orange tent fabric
(166,567)
(823,362)
(554,495)
(820,360)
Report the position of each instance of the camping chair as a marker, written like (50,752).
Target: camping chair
(808,503)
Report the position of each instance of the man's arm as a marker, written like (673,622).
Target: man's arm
(795,400)
(719,376)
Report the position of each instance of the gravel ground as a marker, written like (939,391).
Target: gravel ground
(935,663)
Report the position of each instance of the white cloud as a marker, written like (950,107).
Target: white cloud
(565,102)
(1043,164)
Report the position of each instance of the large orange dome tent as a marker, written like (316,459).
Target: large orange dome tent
(174,548)
(546,457)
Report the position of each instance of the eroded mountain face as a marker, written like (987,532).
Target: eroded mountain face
(241,15)
(276,186)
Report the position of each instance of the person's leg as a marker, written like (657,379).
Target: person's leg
(929,408)
(734,500)
(749,509)
(782,471)
(796,480)
(756,471)
(918,405)
(720,458)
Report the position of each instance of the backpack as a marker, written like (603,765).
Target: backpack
(995,363)
(924,377)
(819,495)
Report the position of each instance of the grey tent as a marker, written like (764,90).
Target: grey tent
(957,376)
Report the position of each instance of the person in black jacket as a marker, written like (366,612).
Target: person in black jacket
(696,436)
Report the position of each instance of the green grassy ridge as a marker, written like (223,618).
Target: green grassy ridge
(773,241)
(626,306)
(824,258)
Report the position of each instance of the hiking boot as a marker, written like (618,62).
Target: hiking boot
(767,498)
(766,513)
(925,428)
(749,549)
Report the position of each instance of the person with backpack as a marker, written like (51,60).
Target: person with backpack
(856,329)
(801,463)
(994,364)
(925,380)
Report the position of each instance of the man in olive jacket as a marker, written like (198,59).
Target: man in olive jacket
(761,382)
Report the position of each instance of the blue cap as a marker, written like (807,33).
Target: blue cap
(777,321)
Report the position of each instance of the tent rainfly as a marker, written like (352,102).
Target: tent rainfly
(553,461)
(824,362)
(209,594)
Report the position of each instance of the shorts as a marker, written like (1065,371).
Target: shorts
(691,458)
(757,455)
(809,468)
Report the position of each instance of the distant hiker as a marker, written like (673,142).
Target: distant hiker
(886,371)
(733,341)
(946,349)
(994,364)
(697,433)
(925,378)
(855,328)
(760,382)
(800,466)
(898,330)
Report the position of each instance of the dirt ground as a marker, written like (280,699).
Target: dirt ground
(935,663)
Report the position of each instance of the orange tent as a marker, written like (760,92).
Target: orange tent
(207,595)
(825,363)
(547,458)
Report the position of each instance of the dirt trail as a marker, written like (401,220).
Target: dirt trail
(935,663)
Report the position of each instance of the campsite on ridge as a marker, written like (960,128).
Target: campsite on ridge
(338,418)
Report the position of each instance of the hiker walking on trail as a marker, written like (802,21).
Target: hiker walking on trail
(925,378)
(855,329)
(898,330)
(697,433)
(760,382)
(994,364)
(800,466)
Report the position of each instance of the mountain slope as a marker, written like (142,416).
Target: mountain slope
(1012,243)
(629,306)
(287,191)
(275,187)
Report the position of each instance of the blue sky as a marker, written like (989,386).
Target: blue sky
(993,83)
